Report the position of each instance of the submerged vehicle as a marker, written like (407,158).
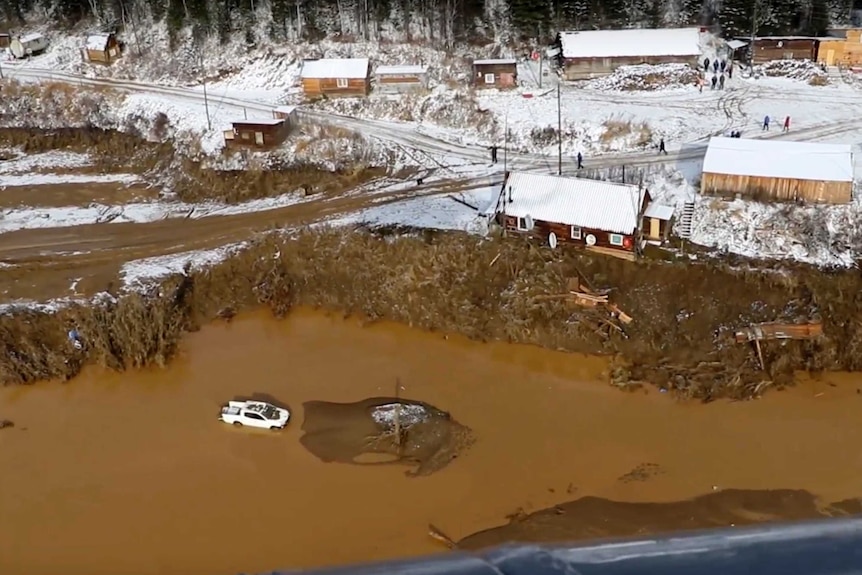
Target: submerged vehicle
(254,414)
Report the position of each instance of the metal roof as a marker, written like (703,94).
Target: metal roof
(400,70)
(494,61)
(259,122)
(635,42)
(351,68)
(98,42)
(771,159)
(659,212)
(736,44)
(285,109)
(578,202)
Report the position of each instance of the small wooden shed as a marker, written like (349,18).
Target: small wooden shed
(769,170)
(495,73)
(5,40)
(102,48)
(400,79)
(28,45)
(286,113)
(769,48)
(591,214)
(336,77)
(261,133)
(595,53)
(657,222)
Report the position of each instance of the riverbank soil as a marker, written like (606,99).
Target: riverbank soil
(426,438)
(133,473)
(595,518)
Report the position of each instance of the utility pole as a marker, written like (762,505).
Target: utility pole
(559,134)
(506,142)
(540,68)
(206,101)
(753,34)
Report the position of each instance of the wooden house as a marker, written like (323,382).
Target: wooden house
(595,53)
(28,45)
(590,214)
(495,73)
(286,113)
(769,48)
(778,170)
(657,220)
(400,79)
(101,48)
(845,51)
(5,40)
(261,133)
(335,77)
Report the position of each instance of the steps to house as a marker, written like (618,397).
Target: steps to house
(685,220)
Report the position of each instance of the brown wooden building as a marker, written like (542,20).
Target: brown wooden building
(336,77)
(495,73)
(400,79)
(598,216)
(769,48)
(845,51)
(657,220)
(769,170)
(261,133)
(102,48)
(595,53)
(5,40)
(286,113)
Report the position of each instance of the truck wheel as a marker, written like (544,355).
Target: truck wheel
(237,423)
(274,428)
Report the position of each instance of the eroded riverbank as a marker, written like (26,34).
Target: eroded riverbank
(132,472)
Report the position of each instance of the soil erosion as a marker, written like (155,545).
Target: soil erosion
(132,473)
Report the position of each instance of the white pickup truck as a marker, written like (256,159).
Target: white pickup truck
(254,414)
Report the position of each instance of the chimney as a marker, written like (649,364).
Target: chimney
(510,194)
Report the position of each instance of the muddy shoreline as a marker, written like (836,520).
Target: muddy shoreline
(680,339)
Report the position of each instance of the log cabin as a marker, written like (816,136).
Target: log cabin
(496,73)
(400,79)
(768,170)
(331,77)
(595,53)
(769,48)
(260,133)
(102,48)
(590,214)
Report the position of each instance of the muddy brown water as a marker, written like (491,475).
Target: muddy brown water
(132,473)
(78,195)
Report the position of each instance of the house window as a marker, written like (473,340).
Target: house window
(245,136)
(489,78)
(615,239)
(522,224)
(341,82)
(576,233)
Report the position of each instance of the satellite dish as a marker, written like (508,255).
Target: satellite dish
(552,240)
(528,220)
(591,240)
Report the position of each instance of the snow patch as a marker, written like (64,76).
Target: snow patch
(408,414)
(140,275)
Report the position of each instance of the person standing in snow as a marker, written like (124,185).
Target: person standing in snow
(723,65)
(765,124)
(661,148)
(721,82)
(714,80)
(715,66)
(493,154)
(580,161)
(730,71)
(787,124)
(706,64)
(700,84)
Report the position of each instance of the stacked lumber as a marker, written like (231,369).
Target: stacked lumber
(580,294)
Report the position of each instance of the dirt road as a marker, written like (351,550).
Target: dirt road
(43,263)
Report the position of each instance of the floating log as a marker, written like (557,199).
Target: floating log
(769,331)
(437,534)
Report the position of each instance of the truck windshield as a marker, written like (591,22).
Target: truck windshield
(270,412)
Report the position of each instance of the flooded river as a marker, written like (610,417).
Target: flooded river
(132,473)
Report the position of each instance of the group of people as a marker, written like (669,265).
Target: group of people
(719,69)
(766,121)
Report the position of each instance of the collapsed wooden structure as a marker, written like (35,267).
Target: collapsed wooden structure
(580,294)
(777,331)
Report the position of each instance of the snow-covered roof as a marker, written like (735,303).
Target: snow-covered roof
(578,202)
(98,42)
(636,42)
(259,122)
(285,109)
(494,61)
(784,38)
(400,70)
(659,212)
(736,44)
(30,37)
(351,68)
(771,159)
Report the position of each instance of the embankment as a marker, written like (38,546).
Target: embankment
(681,337)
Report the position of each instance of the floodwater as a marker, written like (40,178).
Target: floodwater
(132,473)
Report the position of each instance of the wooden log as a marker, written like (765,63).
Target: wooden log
(437,534)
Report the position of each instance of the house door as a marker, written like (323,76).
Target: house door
(830,57)
(258,138)
(654,231)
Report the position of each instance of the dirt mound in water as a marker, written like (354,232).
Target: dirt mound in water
(593,517)
(364,433)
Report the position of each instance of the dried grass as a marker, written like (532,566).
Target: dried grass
(616,128)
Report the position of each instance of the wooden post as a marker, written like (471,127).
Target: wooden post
(759,353)
(398,414)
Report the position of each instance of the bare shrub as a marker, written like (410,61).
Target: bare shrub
(818,81)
